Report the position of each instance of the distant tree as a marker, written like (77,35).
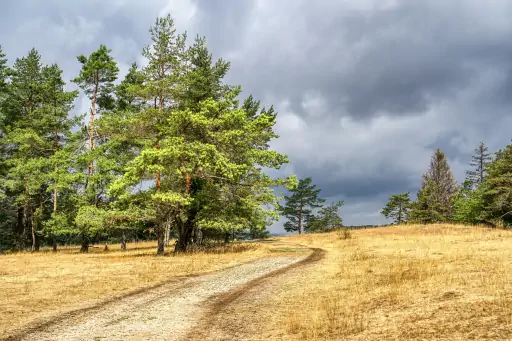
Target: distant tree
(327,218)
(397,207)
(300,204)
(479,163)
(437,193)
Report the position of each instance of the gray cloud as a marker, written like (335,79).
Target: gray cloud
(366,90)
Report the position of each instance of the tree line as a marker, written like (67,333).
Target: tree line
(484,197)
(170,148)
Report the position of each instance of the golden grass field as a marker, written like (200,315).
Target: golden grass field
(41,285)
(435,282)
(414,282)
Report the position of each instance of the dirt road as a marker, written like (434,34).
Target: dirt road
(167,312)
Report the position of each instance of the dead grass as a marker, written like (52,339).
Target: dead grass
(437,282)
(44,284)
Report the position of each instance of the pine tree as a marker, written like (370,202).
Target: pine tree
(479,163)
(397,208)
(203,152)
(7,213)
(62,146)
(159,92)
(497,190)
(25,146)
(96,78)
(327,219)
(437,192)
(299,205)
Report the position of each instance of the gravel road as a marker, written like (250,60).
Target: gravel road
(164,313)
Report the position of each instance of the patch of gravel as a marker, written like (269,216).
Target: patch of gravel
(165,313)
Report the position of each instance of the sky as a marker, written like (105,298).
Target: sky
(366,90)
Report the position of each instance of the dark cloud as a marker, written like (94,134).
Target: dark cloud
(366,89)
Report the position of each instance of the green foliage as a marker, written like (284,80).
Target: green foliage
(171,144)
(300,204)
(91,220)
(327,219)
(436,196)
(468,205)
(97,76)
(496,190)
(397,208)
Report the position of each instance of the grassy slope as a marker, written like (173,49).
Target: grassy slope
(40,285)
(406,283)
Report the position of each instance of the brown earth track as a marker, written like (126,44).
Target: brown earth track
(224,300)
(48,322)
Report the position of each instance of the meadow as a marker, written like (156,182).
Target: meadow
(413,282)
(39,286)
(435,282)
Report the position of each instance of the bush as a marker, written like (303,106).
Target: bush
(344,233)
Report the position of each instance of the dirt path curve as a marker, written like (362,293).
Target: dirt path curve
(163,313)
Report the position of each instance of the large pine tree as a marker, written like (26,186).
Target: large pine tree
(203,152)
(96,79)
(299,205)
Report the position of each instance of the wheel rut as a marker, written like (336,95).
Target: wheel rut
(168,311)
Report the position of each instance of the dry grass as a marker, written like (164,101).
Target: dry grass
(44,284)
(402,283)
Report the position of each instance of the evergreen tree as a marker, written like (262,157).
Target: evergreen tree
(25,146)
(159,92)
(203,152)
(299,205)
(497,190)
(437,193)
(62,145)
(7,213)
(397,208)
(96,78)
(479,163)
(327,219)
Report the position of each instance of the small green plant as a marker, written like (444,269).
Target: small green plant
(344,233)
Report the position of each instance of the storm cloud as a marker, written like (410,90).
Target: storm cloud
(366,90)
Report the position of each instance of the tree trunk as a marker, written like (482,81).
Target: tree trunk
(226,237)
(91,123)
(123,241)
(54,244)
(161,239)
(300,220)
(85,245)
(183,240)
(56,131)
(33,226)
(19,230)
(167,235)
(185,232)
